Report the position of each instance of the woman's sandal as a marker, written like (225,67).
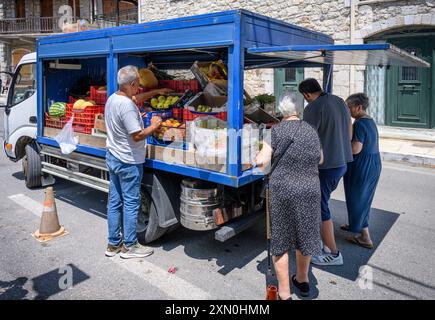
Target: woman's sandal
(345,227)
(289,298)
(357,241)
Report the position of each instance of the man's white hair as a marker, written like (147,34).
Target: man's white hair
(290,104)
(127,75)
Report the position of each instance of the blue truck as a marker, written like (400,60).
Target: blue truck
(241,39)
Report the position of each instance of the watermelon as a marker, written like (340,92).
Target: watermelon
(57,109)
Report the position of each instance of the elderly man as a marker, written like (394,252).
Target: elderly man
(329,115)
(125,157)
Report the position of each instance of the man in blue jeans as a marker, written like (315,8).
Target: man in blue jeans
(125,157)
(329,115)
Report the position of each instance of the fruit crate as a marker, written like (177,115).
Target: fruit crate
(189,115)
(180,85)
(54,122)
(167,144)
(178,113)
(83,116)
(99,96)
(164,114)
(73,100)
(59,123)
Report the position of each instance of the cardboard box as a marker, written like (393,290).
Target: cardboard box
(100,123)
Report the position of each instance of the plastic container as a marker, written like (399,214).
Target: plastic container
(54,122)
(192,115)
(164,114)
(180,85)
(178,113)
(99,96)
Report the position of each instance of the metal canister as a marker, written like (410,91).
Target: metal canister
(198,207)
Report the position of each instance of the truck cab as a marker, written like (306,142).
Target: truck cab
(20,109)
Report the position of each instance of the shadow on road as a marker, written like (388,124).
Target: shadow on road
(232,254)
(13,290)
(380,223)
(57,280)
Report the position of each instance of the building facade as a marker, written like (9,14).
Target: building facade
(22,21)
(400,96)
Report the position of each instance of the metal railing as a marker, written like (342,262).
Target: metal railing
(129,16)
(51,25)
(29,25)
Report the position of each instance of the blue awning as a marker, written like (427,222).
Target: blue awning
(382,54)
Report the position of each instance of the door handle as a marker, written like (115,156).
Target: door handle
(32,119)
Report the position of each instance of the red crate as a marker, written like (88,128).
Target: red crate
(100,97)
(190,115)
(54,122)
(180,85)
(177,113)
(73,100)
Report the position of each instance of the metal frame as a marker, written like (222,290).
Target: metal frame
(235,30)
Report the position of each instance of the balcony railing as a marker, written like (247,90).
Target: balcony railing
(38,25)
(29,25)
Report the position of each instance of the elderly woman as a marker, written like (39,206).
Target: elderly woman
(363,173)
(294,195)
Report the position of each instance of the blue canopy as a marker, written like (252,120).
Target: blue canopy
(382,54)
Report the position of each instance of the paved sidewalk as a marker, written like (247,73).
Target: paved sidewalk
(416,146)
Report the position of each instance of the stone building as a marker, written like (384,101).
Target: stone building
(399,96)
(22,21)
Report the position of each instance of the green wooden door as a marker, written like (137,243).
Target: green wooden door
(409,91)
(287,80)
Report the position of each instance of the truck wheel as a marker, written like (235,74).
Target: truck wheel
(148,228)
(32,166)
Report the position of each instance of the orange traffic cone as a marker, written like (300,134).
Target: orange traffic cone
(50,227)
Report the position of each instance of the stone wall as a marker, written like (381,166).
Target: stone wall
(328,16)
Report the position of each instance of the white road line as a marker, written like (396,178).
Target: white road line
(27,203)
(170,284)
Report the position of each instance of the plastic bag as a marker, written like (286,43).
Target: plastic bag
(65,138)
(209,136)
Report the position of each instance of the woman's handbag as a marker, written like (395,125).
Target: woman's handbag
(275,161)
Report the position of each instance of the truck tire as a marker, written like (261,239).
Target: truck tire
(32,166)
(148,228)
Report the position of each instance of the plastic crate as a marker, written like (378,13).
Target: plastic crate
(168,144)
(164,114)
(180,85)
(54,122)
(192,115)
(177,113)
(99,96)
(73,100)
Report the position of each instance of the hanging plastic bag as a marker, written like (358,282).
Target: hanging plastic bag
(65,138)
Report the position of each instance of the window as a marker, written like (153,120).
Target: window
(20,11)
(24,83)
(410,73)
(290,75)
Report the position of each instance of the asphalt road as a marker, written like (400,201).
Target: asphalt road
(74,267)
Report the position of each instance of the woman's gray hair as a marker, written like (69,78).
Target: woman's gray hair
(358,99)
(127,75)
(290,104)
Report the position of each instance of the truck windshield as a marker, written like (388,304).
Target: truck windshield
(25,83)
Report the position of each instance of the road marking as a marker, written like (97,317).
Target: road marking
(27,203)
(172,285)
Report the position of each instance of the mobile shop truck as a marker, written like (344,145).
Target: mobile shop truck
(191,187)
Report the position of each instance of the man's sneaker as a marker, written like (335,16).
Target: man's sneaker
(328,259)
(111,250)
(136,251)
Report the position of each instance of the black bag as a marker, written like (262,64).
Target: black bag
(275,160)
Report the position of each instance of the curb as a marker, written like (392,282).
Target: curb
(414,159)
